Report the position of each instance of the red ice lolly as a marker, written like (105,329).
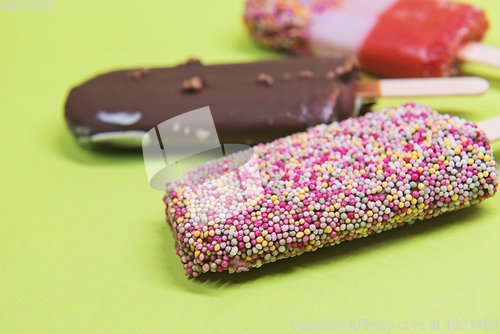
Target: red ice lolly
(392,38)
(394,49)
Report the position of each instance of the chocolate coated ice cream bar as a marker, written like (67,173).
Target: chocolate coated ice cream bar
(250,102)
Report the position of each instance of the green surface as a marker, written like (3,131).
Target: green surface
(83,243)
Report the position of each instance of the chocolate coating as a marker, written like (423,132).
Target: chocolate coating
(250,102)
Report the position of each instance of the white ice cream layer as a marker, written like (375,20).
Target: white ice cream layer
(345,28)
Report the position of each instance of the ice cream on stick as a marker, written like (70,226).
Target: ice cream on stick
(331,184)
(418,87)
(492,128)
(480,53)
(392,38)
(250,102)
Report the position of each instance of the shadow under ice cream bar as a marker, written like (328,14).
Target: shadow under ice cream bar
(333,183)
(250,102)
(392,38)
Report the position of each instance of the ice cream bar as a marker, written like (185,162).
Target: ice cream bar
(250,102)
(392,38)
(331,184)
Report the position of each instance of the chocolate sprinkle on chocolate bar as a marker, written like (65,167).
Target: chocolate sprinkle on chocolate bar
(138,74)
(193,61)
(330,75)
(193,84)
(265,78)
(306,74)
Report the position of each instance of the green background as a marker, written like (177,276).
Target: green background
(84,247)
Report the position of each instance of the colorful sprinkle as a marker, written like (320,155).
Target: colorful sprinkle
(331,184)
(282,24)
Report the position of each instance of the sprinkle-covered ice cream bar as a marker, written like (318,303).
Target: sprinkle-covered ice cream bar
(392,38)
(333,183)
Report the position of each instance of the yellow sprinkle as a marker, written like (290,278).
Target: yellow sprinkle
(260,239)
(300,235)
(307,231)
(337,206)
(216,247)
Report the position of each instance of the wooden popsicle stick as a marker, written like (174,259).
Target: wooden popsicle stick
(420,87)
(491,127)
(480,53)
